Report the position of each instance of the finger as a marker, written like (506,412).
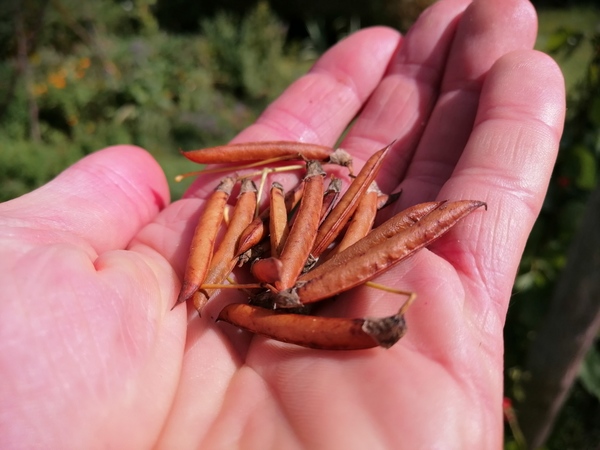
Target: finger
(89,333)
(402,102)
(507,162)
(481,39)
(318,107)
(103,199)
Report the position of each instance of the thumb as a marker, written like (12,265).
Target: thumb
(105,198)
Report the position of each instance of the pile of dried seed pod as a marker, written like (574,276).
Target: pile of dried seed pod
(307,245)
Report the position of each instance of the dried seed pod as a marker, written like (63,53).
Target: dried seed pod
(396,224)
(324,333)
(225,259)
(259,151)
(278,220)
(257,230)
(203,241)
(341,213)
(329,197)
(302,233)
(362,221)
(335,276)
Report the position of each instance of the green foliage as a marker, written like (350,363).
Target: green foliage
(248,63)
(25,165)
(563,33)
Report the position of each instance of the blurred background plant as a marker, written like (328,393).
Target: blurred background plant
(173,74)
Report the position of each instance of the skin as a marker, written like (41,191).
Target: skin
(93,357)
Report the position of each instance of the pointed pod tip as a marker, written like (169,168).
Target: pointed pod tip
(474,204)
(200,301)
(186,292)
(389,146)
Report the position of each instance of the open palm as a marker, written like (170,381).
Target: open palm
(91,355)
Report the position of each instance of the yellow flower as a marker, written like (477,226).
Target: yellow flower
(83,63)
(81,68)
(58,79)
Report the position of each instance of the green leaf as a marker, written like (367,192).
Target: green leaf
(594,111)
(557,40)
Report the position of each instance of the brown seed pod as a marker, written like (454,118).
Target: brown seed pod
(225,259)
(341,213)
(333,276)
(362,221)
(259,151)
(257,230)
(329,197)
(278,219)
(396,224)
(324,333)
(203,241)
(302,233)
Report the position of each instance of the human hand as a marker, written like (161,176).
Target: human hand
(92,356)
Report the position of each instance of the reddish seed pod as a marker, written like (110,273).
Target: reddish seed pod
(267,270)
(259,151)
(203,241)
(325,333)
(362,221)
(257,230)
(224,259)
(302,234)
(333,276)
(329,197)
(341,213)
(284,272)
(278,221)
(396,224)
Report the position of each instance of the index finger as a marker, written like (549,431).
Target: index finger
(507,163)
(318,106)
